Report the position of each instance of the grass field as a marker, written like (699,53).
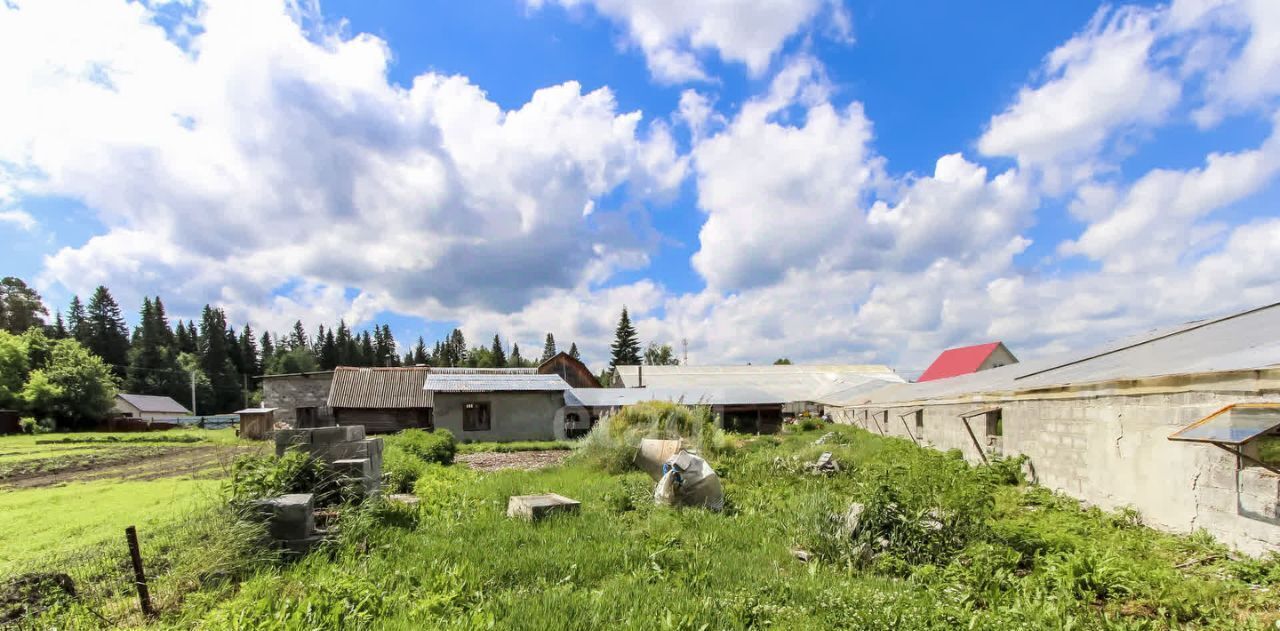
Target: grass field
(90,485)
(46,522)
(939,545)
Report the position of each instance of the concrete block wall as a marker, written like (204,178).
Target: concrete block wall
(298,391)
(1113,451)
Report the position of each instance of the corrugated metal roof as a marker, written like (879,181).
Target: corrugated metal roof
(616,397)
(379,388)
(153,404)
(796,382)
(1247,340)
(954,362)
(493,382)
(448,370)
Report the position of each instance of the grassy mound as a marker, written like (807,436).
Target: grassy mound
(612,444)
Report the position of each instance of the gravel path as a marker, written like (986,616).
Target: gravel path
(527,460)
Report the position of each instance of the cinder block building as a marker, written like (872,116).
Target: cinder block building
(1097,424)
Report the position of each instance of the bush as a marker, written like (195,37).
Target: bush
(438,446)
(401,469)
(256,477)
(32,426)
(612,444)
(808,424)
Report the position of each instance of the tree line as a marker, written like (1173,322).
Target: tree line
(160,357)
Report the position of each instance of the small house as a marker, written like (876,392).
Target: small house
(966,360)
(148,407)
(301,399)
(478,404)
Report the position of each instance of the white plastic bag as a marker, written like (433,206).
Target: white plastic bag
(665,493)
(687,479)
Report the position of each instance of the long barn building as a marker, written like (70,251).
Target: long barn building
(1097,424)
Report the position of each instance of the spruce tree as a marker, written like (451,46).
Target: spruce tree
(249,352)
(515,361)
(75,321)
(107,336)
(384,346)
(317,345)
(497,353)
(297,339)
(153,361)
(216,363)
(162,320)
(626,344)
(180,339)
(549,348)
(59,328)
(193,338)
(328,359)
(346,345)
(268,351)
(419,356)
(573,351)
(233,351)
(367,354)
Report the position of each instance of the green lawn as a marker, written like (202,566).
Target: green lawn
(47,521)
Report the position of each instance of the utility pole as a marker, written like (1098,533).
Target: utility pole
(684,341)
(246,392)
(193,394)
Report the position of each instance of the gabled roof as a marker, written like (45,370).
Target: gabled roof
(153,404)
(562,358)
(493,382)
(959,361)
(1242,341)
(379,388)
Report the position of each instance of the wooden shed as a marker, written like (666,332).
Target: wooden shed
(572,371)
(257,423)
(381,399)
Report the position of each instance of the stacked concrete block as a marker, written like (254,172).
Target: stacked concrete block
(290,521)
(344,449)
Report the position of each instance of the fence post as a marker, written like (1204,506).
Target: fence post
(140,578)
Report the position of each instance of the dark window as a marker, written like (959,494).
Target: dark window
(919,423)
(475,417)
(995,423)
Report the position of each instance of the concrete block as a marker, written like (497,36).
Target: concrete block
(338,434)
(288,516)
(1259,481)
(1220,478)
(536,507)
(1265,507)
(298,438)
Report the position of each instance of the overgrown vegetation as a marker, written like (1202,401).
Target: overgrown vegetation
(612,444)
(409,452)
(900,538)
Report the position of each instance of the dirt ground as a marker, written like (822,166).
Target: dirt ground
(146,464)
(527,460)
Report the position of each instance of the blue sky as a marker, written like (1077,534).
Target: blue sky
(829,181)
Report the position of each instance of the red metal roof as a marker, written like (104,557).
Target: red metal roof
(958,361)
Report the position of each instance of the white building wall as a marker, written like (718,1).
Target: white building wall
(1113,451)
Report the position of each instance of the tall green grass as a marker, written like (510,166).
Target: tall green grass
(938,545)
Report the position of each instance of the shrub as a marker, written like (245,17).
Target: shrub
(256,477)
(438,446)
(32,426)
(808,424)
(612,444)
(401,469)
